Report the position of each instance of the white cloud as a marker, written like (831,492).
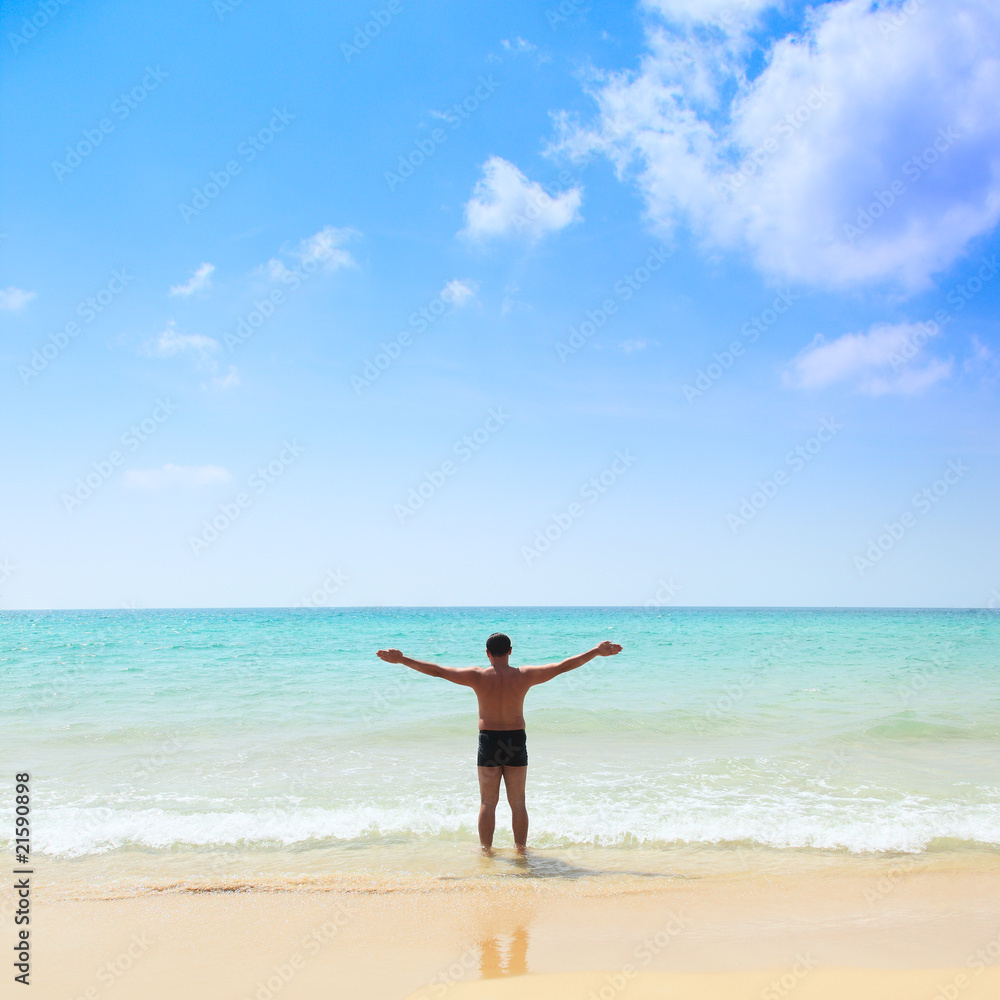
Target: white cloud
(12,299)
(522,47)
(505,202)
(782,164)
(326,246)
(458,292)
(981,355)
(170,342)
(278,270)
(511,302)
(228,381)
(323,248)
(878,362)
(519,45)
(983,361)
(198,282)
(628,346)
(174,475)
(909,381)
(729,15)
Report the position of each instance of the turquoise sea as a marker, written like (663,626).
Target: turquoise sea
(149,733)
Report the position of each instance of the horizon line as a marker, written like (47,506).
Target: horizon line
(505,607)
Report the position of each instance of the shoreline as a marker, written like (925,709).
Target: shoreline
(439,864)
(382,936)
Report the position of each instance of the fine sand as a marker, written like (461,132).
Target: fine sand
(882,929)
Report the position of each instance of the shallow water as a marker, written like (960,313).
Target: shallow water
(261,736)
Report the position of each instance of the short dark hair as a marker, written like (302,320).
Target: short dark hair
(498,644)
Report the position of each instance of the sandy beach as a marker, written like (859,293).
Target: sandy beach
(861,928)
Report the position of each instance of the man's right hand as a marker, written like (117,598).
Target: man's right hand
(395,655)
(606,648)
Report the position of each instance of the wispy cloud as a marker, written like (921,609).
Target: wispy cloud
(459,291)
(504,202)
(200,281)
(628,346)
(510,301)
(176,475)
(228,381)
(170,343)
(884,360)
(12,299)
(982,361)
(981,355)
(519,45)
(324,249)
(327,246)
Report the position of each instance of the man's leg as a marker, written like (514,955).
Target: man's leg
(513,780)
(489,796)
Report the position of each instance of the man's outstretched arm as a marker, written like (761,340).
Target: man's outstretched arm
(457,675)
(539,675)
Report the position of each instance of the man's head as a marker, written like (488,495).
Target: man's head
(498,645)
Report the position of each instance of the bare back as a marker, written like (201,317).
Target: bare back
(501,691)
(500,687)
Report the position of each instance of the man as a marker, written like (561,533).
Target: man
(500,689)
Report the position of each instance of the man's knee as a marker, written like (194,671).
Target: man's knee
(489,799)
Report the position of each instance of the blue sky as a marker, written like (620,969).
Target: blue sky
(689,302)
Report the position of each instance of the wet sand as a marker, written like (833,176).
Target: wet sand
(878,928)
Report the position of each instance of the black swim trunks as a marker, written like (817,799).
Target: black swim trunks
(498,747)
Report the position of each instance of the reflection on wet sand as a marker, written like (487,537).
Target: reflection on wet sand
(504,955)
